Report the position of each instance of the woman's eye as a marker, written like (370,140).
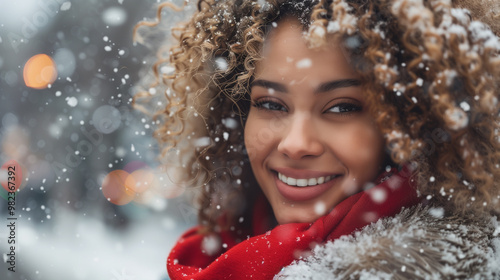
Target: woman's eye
(270,105)
(345,108)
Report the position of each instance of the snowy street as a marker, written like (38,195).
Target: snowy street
(83,193)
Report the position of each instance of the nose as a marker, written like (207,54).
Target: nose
(300,139)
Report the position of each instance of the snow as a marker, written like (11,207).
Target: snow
(480,32)
(320,208)
(202,142)
(319,32)
(378,195)
(420,82)
(394,135)
(168,70)
(465,106)
(303,63)
(437,212)
(90,243)
(392,245)
(456,118)
(230,123)
(461,15)
(211,244)
(221,64)
(66,6)
(72,101)
(264,5)
(114,16)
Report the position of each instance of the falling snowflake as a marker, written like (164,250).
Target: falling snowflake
(304,63)
(456,118)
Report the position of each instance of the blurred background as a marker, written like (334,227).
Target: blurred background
(91,202)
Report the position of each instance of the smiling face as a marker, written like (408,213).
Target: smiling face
(309,137)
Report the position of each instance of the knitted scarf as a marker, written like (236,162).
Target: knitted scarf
(264,255)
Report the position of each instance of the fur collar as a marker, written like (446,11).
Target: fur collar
(418,243)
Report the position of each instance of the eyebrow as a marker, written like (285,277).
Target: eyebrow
(269,85)
(324,87)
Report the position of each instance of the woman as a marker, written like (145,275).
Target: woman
(371,128)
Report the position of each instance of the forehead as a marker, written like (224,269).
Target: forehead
(286,52)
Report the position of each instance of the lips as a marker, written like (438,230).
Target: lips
(303,185)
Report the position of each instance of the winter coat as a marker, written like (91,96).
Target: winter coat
(418,243)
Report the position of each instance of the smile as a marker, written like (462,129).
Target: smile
(305,182)
(305,188)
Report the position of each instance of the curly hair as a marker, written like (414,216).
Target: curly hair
(430,72)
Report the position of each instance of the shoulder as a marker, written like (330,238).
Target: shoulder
(417,243)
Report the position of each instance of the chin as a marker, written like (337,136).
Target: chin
(287,216)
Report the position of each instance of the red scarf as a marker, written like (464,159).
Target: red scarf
(263,256)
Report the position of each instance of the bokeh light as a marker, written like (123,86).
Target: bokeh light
(139,183)
(65,62)
(106,119)
(141,180)
(117,188)
(11,172)
(39,71)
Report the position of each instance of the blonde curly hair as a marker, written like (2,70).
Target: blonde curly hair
(430,71)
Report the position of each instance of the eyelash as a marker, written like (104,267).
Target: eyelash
(352,108)
(261,105)
(266,104)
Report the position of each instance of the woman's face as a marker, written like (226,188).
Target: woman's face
(309,137)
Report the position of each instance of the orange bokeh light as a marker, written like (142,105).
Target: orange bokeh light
(141,180)
(39,71)
(121,187)
(118,188)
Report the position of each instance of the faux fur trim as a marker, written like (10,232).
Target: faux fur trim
(419,243)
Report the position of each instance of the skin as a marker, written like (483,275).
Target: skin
(309,118)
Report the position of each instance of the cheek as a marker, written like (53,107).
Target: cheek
(362,148)
(250,139)
(261,135)
(371,144)
(362,155)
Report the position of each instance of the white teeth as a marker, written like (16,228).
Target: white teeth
(304,182)
(312,182)
(321,180)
